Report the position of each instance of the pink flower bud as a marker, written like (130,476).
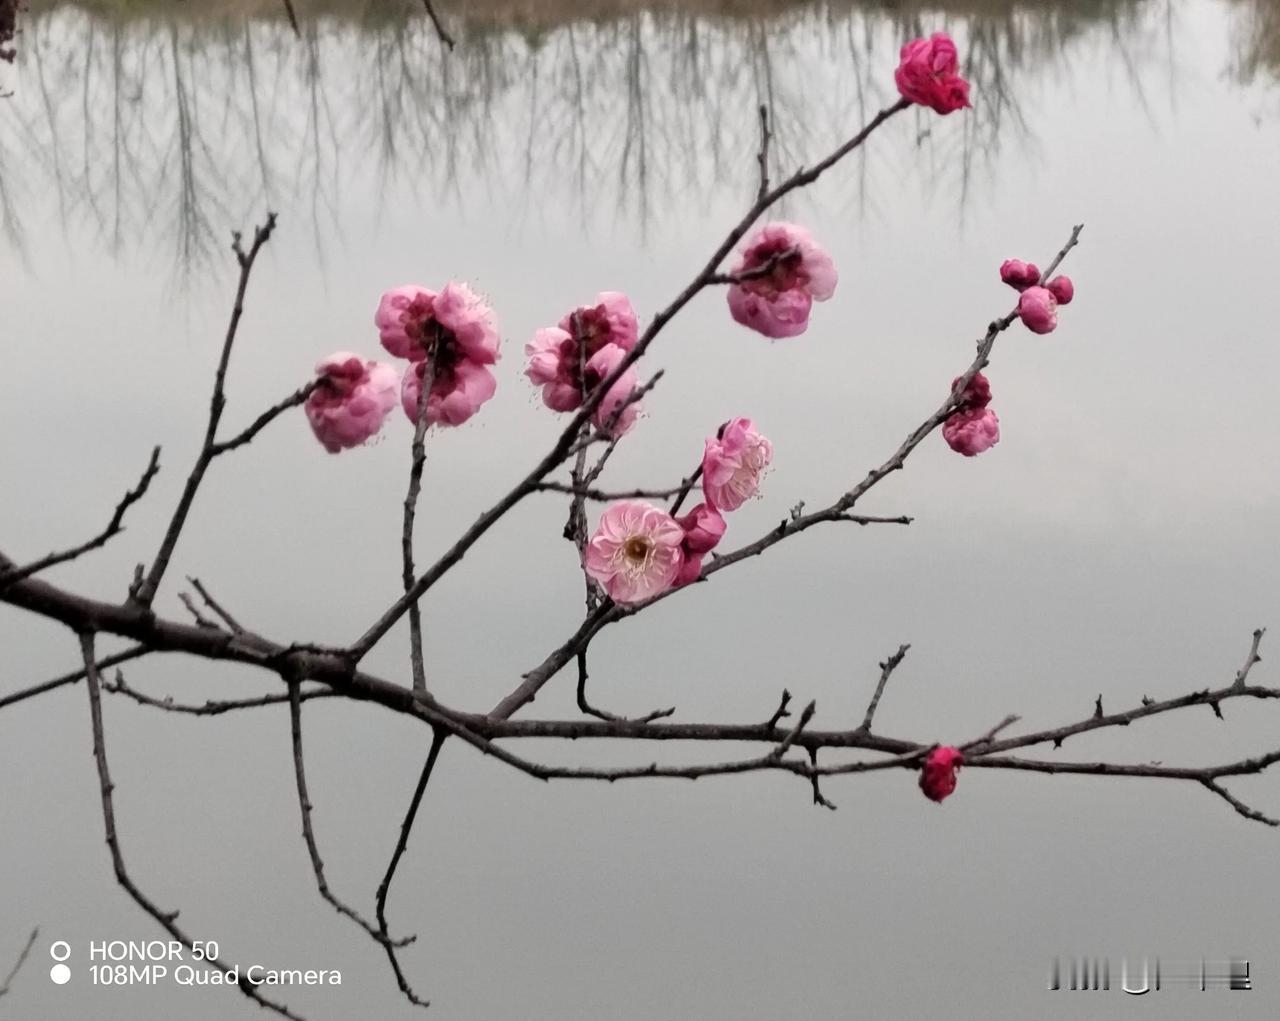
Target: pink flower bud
(1062,289)
(351,402)
(1018,274)
(703,529)
(977,394)
(928,74)
(938,774)
(972,431)
(1039,310)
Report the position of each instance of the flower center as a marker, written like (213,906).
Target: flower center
(637,548)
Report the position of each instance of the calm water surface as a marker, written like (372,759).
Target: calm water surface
(1120,539)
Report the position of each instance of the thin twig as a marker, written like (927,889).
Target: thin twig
(210,708)
(438,736)
(296,398)
(114,527)
(590,710)
(293,17)
(308,833)
(167,919)
(22,959)
(762,157)
(73,677)
(215,606)
(143,592)
(436,23)
(418,459)
(886,671)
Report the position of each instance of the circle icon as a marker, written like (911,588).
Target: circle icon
(60,974)
(60,950)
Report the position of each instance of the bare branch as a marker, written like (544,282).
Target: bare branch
(762,157)
(114,527)
(143,592)
(73,677)
(438,25)
(886,671)
(418,459)
(296,398)
(1238,805)
(308,833)
(22,959)
(1243,675)
(603,496)
(167,919)
(215,606)
(590,710)
(210,708)
(438,736)
(293,17)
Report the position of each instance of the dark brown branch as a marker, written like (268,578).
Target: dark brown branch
(308,833)
(167,919)
(418,460)
(200,619)
(22,959)
(762,157)
(114,527)
(1238,805)
(293,17)
(886,671)
(603,496)
(295,399)
(590,710)
(438,736)
(73,677)
(143,592)
(210,708)
(215,606)
(1243,675)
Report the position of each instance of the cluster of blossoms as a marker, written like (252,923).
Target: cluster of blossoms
(450,337)
(639,550)
(1037,305)
(938,774)
(972,427)
(573,358)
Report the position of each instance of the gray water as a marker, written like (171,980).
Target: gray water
(1120,539)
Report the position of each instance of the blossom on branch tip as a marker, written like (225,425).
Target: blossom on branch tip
(1062,289)
(1018,274)
(635,553)
(938,774)
(780,273)
(732,463)
(929,74)
(1038,309)
(351,401)
(411,318)
(972,431)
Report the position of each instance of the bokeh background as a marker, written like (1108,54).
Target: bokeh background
(1121,539)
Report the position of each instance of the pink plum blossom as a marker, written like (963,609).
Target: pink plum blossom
(353,398)
(593,338)
(1039,310)
(457,391)
(938,774)
(732,464)
(611,320)
(600,365)
(777,304)
(703,529)
(1018,274)
(635,552)
(410,318)
(972,431)
(1062,289)
(977,394)
(929,74)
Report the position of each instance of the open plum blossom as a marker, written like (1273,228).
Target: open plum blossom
(938,774)
(352,400)
(732,464)
(410,318)
(972,431)
(613,414)
(557,353)
(1018,274)
(703,529)
(1038,309)
(635,553)
(777,303)
(929,74)
(457,390)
